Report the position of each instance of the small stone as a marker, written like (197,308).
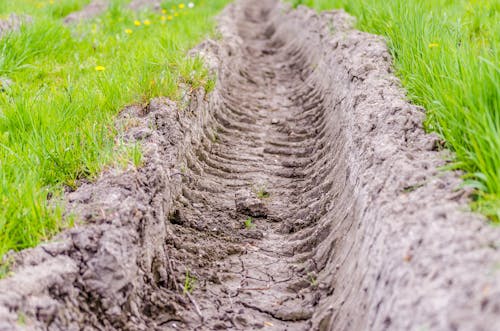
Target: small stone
(275,121)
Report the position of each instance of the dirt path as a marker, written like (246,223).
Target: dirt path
(308,139)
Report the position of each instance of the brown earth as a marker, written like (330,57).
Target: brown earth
(309,140)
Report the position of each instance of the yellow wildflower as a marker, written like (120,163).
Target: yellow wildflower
(432,45)
(100,68)
(163,11)
(51,2)
(176,14)
(137,23)
(169,17)
(128,31)
(163,18)
(181,6)
(147,22)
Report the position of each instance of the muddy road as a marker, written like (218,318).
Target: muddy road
(301,194)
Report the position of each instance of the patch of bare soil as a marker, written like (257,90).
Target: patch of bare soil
(141,4)
(301,194)
(93,9)
(12,23)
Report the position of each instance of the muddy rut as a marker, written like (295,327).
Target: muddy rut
(301,194)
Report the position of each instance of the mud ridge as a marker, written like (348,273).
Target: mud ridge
(301,194)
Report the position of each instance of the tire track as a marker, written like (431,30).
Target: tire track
(308,133)
(270,160)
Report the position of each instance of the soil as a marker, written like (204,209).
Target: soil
(301,194)
(141,4)
(94,8)
(12,23)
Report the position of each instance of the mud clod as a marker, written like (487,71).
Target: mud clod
(248,203)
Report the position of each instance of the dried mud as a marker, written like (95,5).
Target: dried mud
(353,226)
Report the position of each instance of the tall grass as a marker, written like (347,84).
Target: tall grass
(67,84)
(447,55)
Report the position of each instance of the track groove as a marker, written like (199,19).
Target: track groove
(271,127)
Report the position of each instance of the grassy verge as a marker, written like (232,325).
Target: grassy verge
(62,87)
(447,54)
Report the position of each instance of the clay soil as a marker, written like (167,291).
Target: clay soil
(301,194)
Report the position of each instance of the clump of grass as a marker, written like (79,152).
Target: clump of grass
(262,192)
(313,279)
(68,84)
(21,318)
(189,283)
(249,223)
(5,265)
(447,54)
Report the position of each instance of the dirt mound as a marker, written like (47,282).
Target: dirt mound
(13,23)
(301,194)
(141,4)
(93,9)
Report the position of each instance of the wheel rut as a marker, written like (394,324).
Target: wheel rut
(253,171)
(302,193)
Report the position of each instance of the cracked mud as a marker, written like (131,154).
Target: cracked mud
(301,194)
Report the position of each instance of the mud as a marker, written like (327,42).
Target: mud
(93,9)
(13,23)
(301,194)
(141,4)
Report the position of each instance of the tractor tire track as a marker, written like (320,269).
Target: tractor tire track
(301,194)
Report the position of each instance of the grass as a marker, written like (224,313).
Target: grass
(68,84)
(189,283)
(249,223)
(447,54)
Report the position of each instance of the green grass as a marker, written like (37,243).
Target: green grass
(56,118)
(249,223)
(447,55)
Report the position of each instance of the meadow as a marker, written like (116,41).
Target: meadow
(62,86)
(447,54)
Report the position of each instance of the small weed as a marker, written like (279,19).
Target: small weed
(313,280)
(262,193)
(215,137)
(136,155)
(189,283)
(249,223)
(5,268)
(21,318)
